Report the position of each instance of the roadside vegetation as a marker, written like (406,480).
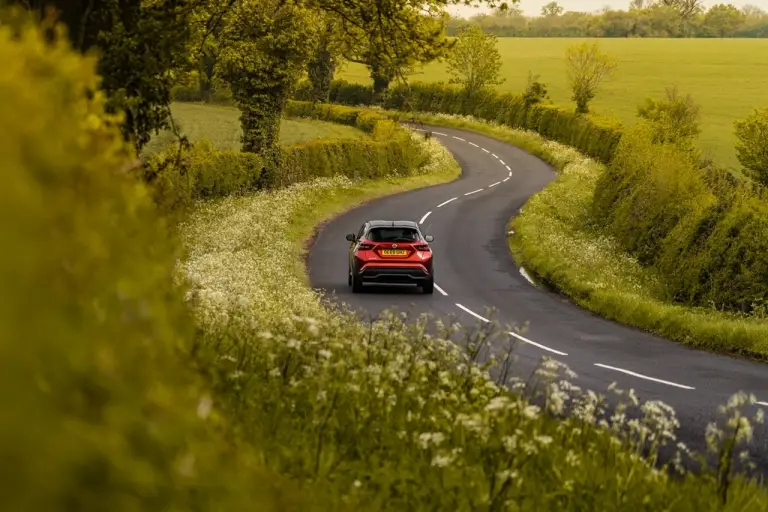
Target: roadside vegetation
(155,358)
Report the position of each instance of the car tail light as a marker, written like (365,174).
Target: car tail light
(422,247)
(365,247)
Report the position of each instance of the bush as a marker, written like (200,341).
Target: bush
(707,235)
(592,135)
(752,135)
(181,175)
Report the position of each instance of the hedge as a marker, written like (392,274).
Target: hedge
(706,232)
(181,176)
(593,136)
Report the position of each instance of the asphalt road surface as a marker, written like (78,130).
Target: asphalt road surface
(474,270)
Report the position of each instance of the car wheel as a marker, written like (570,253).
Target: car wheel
(357,283)
(349,277)
(428,287)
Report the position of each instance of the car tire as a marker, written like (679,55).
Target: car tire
(357,283)
(428,287)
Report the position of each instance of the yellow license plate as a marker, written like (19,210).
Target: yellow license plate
(394,252)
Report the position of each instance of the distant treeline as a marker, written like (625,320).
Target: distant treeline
(664,18)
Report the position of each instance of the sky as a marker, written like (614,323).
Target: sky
(533,7)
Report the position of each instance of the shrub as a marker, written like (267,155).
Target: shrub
(752,145)
(674,119)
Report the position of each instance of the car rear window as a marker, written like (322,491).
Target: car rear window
(393,235)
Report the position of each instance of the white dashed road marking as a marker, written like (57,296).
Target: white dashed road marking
(502,162)
(448,201)
(505,179)
(493,184)
(762,403)
(438,133)
(521,338)
(494,155)
(485,150)
(459,138)
(510,170)
(638,375)
(473,192)
(473,144)
(425,217)
(441,290)
(526,340)
(526,276)
(510,173)
(472,313)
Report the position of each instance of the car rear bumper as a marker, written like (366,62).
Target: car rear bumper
(394,274)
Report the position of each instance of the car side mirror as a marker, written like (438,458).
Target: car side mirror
(429,238)
(351,237)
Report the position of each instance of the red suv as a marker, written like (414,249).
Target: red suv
(390,252)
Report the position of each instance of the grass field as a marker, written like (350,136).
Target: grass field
(727,77)
(221,125)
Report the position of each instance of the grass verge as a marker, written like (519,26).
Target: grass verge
(387,417)
(221,126)
(554,240)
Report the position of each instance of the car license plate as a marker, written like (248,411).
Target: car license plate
(394,252)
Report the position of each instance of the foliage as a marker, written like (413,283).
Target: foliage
(723,19)
(410,36)
(474,61)
(752,144)
(535,91)
(706,234)
(674,120)
(265,46)
(138,43)
(586,68)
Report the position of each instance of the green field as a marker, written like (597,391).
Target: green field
(221,125)
(727,77)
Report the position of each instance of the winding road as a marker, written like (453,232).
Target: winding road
(474,270)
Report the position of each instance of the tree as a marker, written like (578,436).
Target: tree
(674,119)
(752,144)
(535,91)
(389,50)
(586,68)
(138,43)
(475,61)
(265,46)
(723,19)
(551,9)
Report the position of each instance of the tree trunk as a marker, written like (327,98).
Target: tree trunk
(381,81)
(321,69)
(260,120)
